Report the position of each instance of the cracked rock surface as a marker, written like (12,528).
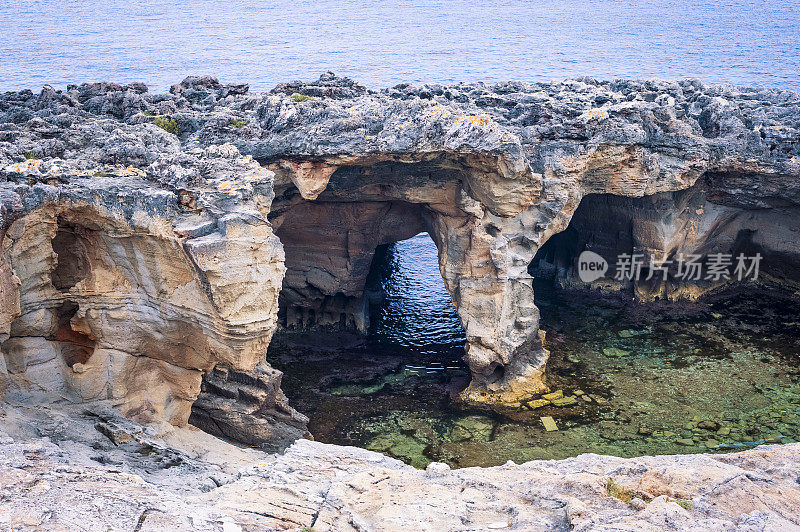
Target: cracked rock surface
(64,468)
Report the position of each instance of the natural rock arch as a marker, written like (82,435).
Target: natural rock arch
(490,172)
(330,235)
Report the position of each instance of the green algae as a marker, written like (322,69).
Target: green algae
(658,384)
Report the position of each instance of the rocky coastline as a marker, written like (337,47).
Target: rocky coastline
(99,471)
(152,244)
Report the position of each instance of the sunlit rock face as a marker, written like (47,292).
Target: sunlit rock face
(491,172)
(128,267)
(134,310)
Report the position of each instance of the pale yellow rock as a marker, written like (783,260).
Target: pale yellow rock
(565,401)
(98,306)
(558,394)
(549,423)
(538,403)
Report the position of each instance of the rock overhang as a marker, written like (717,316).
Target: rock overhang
(510,163)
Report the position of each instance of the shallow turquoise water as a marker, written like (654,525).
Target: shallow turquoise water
(637,380)
(388,42)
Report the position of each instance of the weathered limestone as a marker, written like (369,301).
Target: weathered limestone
(496,184)
(248,407)
(491,172)
(98,472)
(131,300)
(703,220)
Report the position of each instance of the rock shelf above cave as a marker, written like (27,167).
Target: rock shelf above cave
(147,238)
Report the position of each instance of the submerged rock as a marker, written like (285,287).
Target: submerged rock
(615,352)
(477,428)
(708,424)
(549,424)
(558,394)
(537,403)
(565,401)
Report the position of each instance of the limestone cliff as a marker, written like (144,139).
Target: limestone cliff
(139,244)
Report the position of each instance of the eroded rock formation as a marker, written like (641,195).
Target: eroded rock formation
(137,229)
(117,284)
(134,308)
(716,217)
(248,407)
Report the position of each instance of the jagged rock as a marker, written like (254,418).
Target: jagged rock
(491,172)
(248,407)
(187,480)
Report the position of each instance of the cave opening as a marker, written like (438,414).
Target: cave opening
(77,346)
(652,366)
(409,304)
(407,363)
(71,244)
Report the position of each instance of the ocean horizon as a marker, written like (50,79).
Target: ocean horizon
(384,43)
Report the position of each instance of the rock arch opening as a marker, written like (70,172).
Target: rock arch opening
(329,248)
(649,244)
(409,303)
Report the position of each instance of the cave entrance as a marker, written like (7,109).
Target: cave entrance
(652,365)
(71,244)
(409,304)
(404,371)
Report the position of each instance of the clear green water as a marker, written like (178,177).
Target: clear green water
(645,380)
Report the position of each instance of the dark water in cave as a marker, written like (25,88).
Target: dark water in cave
(416,312)
(678,379)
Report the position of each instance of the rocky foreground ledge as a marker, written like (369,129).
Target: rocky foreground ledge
(65,469)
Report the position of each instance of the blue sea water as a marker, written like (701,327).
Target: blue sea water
(384,42)
(417,311)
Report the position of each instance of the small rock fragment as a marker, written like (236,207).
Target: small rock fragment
(615,352)
(537,403)
(598,399)
(558,394)
(708,424)
(565,401)
(549,423)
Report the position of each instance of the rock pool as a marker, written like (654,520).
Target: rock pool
(625,379)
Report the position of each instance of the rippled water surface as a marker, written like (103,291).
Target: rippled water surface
(417,311)
(635,380)
(388,42)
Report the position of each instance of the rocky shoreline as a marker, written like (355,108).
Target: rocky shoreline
(151,244)
(289,193)
(98,471)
